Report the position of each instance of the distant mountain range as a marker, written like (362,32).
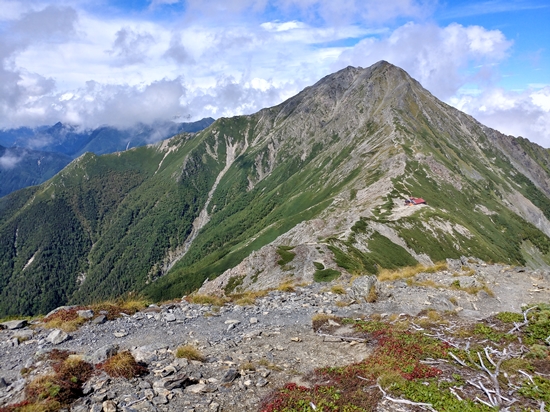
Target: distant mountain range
(324,175)
(32,156)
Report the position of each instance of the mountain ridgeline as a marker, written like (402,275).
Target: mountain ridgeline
(32,156)
(326,171)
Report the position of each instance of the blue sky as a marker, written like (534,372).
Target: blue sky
(95,62)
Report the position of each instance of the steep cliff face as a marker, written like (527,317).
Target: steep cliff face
(326,172)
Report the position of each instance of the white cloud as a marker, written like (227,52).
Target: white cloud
(9,161)
(524,113)
(130,47)
(177,51)
(436,56)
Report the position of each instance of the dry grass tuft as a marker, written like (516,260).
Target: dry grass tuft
(338,289)
(319,319)
(428,283)
(198,299)
(373,295)
(248,298)
(56,390)
(287,286)
(248,366)
(410,271)
(189,352)
(123,365)
(65,319)
(113,309)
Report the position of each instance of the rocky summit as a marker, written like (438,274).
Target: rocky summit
(245,351)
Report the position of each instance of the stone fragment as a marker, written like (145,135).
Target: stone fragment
(14,324)
(232,322)
(214,407)
(96,407)
(109,406)
(230,376)
(261,382)
(253,320)
(197,388)
(101,319)
(3,383)
(81,405)
(169,317)
(100,397)
(264,373)
(104,353)
(141,354)
(57,336)
(85,314)
(441,303)
(120,334)
(177,381)
(144,385)
(160,400)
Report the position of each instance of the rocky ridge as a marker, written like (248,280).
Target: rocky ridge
(251,350)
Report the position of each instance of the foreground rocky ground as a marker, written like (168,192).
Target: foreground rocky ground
(250,350)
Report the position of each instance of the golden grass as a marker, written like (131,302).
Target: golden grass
(124,365)
(199,299)
(128,305)
(373,295)
(248,366)
(428,283)
(189,352)
(248,298)
(342,303)
(320,318)
(65,325)
(431,318)
(474,290)
(287,286)
(338,289)
(410,271)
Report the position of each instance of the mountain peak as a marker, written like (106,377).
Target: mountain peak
(325,174)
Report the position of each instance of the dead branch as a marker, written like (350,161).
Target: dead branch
(525,322)
(456,358)
(406,402)
(346,338)
(526,374)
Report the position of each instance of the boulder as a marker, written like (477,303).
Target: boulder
(57,336)
(361,288)
(24,334)
(85,314)
(101,319)
(104,353)
(14,324)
